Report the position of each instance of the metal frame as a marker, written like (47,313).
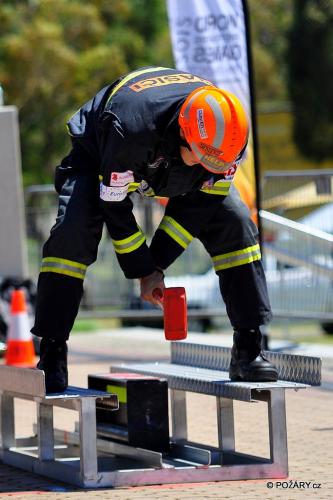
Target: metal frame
(250,467)
(102,462)
(41,453)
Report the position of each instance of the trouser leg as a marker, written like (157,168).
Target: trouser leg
(71,247)
(231,240)
(244,291)
(58,301)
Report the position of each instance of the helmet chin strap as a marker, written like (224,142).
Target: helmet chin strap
(184,143)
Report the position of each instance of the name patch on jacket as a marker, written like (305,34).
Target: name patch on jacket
(160,81)
(113,193)
(230,173)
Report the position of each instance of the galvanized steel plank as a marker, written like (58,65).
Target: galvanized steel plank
(291,367)
(204,381)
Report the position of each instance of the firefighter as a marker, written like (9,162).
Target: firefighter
(160,132)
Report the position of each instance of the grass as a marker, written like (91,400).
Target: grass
(294,331)
(299,331)
(93,325)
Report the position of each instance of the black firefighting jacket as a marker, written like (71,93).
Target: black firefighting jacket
(130,135)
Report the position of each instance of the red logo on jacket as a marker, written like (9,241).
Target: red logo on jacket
(229,174)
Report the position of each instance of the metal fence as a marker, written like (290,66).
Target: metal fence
(297,223)
(297,220)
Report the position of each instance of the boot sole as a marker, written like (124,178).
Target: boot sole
(267,376)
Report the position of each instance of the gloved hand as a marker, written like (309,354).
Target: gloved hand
(152,287)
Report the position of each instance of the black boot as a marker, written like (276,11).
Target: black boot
(247,362)
(53,361)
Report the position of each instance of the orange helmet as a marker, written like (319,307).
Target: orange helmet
(215,127)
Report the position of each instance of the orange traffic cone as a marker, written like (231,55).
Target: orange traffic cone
(20,348)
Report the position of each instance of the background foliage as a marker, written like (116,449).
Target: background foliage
(310,77)
(56,54)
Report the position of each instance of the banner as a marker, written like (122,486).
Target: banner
(209,38)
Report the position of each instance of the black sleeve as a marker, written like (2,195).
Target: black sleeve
(128,239)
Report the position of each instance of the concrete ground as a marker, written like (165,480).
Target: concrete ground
(309,420)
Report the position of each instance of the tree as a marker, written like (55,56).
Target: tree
(56,54)
(270,21)
(310,59)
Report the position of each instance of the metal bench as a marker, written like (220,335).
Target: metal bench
(40,453)
(103,462)
(204,369)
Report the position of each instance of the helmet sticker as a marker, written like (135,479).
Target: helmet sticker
(201,124)
(213,161)
(210,150)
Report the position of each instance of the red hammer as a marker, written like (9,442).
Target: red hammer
(175,312)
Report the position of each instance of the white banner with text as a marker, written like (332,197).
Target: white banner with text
(209,39)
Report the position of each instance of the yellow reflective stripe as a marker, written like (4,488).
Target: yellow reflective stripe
(237,258)
(220,187)
(175,231)
(129,244)
(66,262)
(150,193)
(131,76)
(66,272)
(132,186)
(121,392)
(240,262)
(63,266)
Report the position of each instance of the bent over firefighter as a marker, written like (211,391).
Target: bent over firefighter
(164,133)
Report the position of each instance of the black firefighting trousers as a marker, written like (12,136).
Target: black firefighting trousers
(74,240)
